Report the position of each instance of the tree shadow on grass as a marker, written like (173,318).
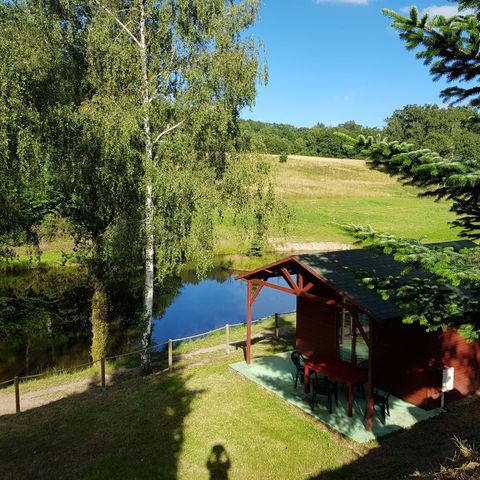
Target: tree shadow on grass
(424,447)
(132,430)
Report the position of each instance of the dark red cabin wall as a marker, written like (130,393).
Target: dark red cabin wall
(465,358)
(316,328)
(410,360)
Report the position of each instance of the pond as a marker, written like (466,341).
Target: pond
(45,314)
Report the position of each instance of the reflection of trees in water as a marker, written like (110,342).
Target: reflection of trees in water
(217,273)
(45,316)
(43,319)
(218,463)
(166,295)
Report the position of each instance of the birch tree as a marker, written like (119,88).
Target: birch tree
(184,69)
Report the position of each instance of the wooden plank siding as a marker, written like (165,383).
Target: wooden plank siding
(316,328)
(410,361)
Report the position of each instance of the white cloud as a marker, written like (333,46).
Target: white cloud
(350,2)
(443,10)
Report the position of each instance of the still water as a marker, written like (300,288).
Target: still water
(44,315)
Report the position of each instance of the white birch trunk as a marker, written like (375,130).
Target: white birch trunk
(149,250)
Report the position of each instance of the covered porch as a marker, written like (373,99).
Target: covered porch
(276,373)
(349,335)
(322,328)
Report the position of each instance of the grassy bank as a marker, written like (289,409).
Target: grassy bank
(57,377)
(323,194)
(168,426)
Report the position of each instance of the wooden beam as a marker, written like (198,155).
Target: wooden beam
(370,402)
(255,294)
(323,301)
(354,339)
(249,323)
(300,293)
(273,285)
(342,332)
(361,330)
(307,287)
(286,275)
(300,280)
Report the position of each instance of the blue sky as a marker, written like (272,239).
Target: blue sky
(336,60)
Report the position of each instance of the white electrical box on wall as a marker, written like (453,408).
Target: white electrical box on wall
(447,379)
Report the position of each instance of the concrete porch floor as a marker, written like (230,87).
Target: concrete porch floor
(276,373)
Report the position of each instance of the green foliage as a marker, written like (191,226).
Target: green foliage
(209,71)
(447,131)
(448,294)
(283,158)
(275,139)
(28,73)
(438,287)
(247,189)
(449,46)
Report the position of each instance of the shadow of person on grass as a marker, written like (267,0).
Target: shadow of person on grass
(218,463)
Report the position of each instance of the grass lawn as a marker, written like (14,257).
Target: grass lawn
(322,194)
(166,427)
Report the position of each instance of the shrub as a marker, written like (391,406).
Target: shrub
(283,158)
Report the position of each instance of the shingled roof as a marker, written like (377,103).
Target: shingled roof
(338,269)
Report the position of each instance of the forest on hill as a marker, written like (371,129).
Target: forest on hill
(453,132)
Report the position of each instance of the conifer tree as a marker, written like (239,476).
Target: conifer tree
(449,295)
(449,46)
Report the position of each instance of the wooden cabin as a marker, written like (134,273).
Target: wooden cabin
(337,316)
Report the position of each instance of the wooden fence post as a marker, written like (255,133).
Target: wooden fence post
(276,325)
(227,337)
(170,354)
(17,395)
(102,373)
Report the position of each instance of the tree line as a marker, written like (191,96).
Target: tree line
(449,131)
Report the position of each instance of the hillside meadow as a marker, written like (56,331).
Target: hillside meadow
(325,193)
(322,194)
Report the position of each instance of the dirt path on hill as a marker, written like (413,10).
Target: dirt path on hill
(310,246)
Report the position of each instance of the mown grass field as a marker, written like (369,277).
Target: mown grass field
(323,194)
(165,426)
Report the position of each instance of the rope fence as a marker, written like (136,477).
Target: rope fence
(169,343)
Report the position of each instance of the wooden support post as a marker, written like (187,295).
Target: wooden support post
(354,316)
(102,374)
(170,354)
(249,324)
(342,332)
(227,337)
(276,326)
(16,381)
(370,402)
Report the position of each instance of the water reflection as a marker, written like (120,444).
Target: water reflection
(45,314)
(44,318)
(213,302)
